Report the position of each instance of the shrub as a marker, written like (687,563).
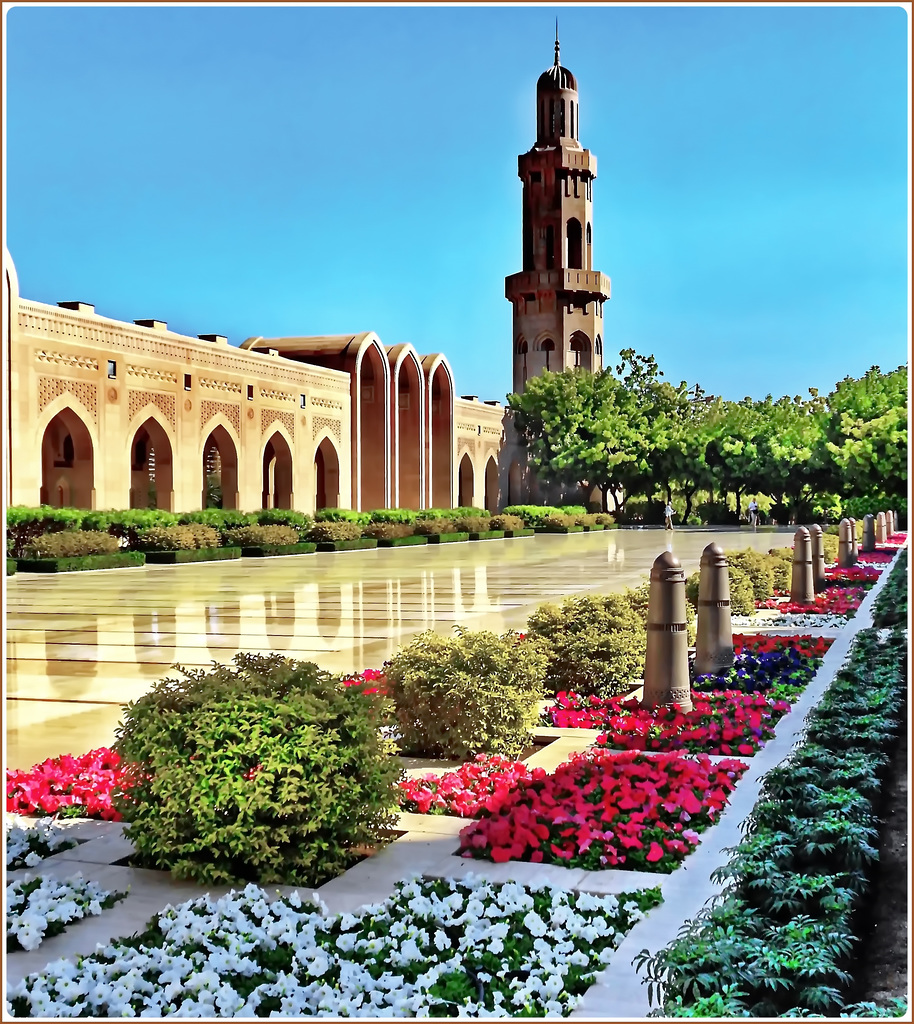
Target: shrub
(504,522)
(573,510)
(466,510)
(473,524)
(388,530)
(589,519)
(205,536)
(433,527)
(72,544)
(219,518)
(782,567)
(335,530)
(125,524)
(394,515)
(596,642)
(692,585)
(758,568)
(260,536)
(605,518)
(24,524)
(166,538)
(532,515)
(830,545)
(558,519)
(267,770)
(742,596)
(434,513)
(342,515)
(468,694)
(285,517)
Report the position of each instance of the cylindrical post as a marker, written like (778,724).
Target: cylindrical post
(880,528)
(817,548)
(714,646)
(802,590)
(889,525)
(853,539)
(666,663)
(869,533)
(845,558)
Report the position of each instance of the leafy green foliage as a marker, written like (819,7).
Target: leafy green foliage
(24,524)
(266,770)
(532,515)
(299,521)
(472,524)
(473,693)
(506,522)
(892,603)
(388,530)
(433,527)
(338,529)
(257,536)
(218,519)
(72,544)
(342,515)
(125,524)
(393,515)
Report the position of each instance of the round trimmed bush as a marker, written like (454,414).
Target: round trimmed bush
(267,770)
(72,544)
(434,527)
(299,521)
(334,530)
(757,567)
(388,530)
(473,524)
(166,538)
(503,522)
(261,536)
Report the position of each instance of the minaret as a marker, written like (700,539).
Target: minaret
(558,297)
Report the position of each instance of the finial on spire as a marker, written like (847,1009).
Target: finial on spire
(556,42)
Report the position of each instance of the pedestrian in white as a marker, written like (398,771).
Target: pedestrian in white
(753,513)
(668,513)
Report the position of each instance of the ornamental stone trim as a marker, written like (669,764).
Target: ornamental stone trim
(148,373)
(165,403)
(220,385)
(320,423)
(270,416)
(50,388)
(231,411)
(67,359)
(276,396)
(326,403)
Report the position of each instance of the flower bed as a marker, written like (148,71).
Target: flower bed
(808,645)
(607,810)
(782,675)
(28,847)
(725,722)
(855,574)
(37,908)
(463,948)
(482,784)
(875,557)
(831,601)
(68,786)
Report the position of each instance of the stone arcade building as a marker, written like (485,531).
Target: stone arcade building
(107,414)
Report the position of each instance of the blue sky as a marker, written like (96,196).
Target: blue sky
(281,171)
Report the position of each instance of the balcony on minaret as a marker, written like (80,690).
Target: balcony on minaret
(590,281)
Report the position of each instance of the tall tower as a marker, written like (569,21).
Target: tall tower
(558,297)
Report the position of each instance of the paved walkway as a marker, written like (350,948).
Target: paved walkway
(80,645)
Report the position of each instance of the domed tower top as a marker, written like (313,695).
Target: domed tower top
(556,104)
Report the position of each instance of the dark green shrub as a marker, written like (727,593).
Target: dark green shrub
(285,517)
(342,515)
(219,518)
(258,536)
(532,515)
(166,538)
(72,544)
(79,563)
(505,522)
(596,643)
(692,584)
(472,524)
(24,524)
(433,527)
(758,568)
(267,770)
(393,515)
(333,530)
(11,567)
(891,605)
(125,524)
(473,693)
(388,530)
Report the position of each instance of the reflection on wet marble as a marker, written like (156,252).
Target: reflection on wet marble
(80,645)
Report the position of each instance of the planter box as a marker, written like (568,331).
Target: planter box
(401,542)
(448,538)
(347,545)
(117,560)
(594,529)
(560,529)
(194,555)
(265,551)
(526,532)
(488,535)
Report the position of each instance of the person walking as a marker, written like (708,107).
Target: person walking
(753,513)
(668,516)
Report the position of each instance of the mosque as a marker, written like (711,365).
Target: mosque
(102,413)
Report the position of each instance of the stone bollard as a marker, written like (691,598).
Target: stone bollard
(817,548)
(802,590)
(666,663)
(869,533)
(845,558)
(890,525)
(880,528)
(714,646)
(853,539)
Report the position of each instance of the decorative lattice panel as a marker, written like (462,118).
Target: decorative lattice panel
(231,412)
(50,388)
(319,423)
(270,416)
(164,403)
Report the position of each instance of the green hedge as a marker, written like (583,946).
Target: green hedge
(447,538)
(195,555)
(559,529)
(120,560)
(268,550)
(891,605)
(401,542)
(520,533)
(487,535)
(347,545)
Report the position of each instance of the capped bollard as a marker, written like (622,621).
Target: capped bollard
(666,662)
(845,558)
(869,533)
(880,528)
(889,525)
(802,590)
(714,646)
(853,539)
(817,548)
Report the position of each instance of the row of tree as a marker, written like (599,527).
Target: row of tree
(632,433)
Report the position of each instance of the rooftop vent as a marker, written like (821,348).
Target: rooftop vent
(470,398)
(156,325)
(216,339)
(80,307)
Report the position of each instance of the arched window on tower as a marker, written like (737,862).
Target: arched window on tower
(589,258)
(550,247)
(552,117)
(598,346)
(521,350)
(580,345)
(548,347)
(573,235)
(562,118)
(571,119)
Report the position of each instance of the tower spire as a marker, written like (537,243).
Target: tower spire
(556,42)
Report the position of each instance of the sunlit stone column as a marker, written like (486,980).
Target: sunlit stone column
(802,590)
(818,557)
(890,526)
(880,528)
(853,540)
(714,646)
(869,533)
(666,663)
(845,554)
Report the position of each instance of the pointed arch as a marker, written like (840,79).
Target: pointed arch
(276,488)
(326,474)
(219,463)
(573,244)
(407,412)
(491,484)
(439,433)
(151,458)
(67,461)
(581,350)
(371,440)
(466,481)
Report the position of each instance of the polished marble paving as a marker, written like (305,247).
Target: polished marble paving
(80,645)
